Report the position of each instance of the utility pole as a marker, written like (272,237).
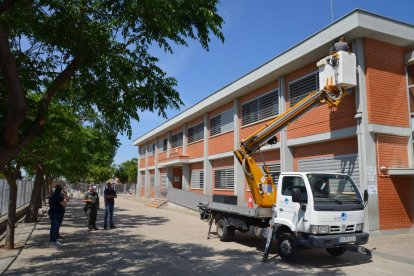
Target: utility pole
(332,19)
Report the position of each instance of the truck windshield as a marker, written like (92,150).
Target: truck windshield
(334,187)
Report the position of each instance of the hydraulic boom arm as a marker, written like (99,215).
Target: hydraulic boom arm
(261,183)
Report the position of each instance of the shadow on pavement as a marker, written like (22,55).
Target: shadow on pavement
(118,252)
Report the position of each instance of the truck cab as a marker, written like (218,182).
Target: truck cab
(318,210)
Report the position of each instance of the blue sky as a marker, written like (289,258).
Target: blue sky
(255,31)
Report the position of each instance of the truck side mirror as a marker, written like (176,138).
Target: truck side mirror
(365,196)
(296,195)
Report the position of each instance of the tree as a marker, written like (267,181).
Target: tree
(93,55)
(127,171)
(86,148)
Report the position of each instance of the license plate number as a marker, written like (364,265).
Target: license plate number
(347,239)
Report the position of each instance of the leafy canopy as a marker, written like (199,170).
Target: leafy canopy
(93,55)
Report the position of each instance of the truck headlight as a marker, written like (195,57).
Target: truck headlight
(359,227)
(319,229)
(323,229)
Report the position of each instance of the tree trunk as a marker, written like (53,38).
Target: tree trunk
(44,193)
(11,217)
(33,210)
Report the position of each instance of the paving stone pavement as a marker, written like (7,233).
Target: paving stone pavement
(173,242)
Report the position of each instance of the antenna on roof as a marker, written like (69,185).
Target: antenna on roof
(332,11)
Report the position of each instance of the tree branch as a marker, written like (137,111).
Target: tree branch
(17,106)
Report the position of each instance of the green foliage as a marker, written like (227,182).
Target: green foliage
(127,171)
(105,44)
(68,148)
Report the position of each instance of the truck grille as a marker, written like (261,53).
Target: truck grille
(342,229)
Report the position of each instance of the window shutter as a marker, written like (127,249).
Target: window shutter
(222,123)
(300,88)
(250,112)
(197,179)
(261,108)
(224,178)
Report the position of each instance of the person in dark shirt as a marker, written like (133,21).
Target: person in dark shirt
(57,204)
(91,199)
(340,45)
(109,198)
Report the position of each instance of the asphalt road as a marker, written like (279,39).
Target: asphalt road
(151,241)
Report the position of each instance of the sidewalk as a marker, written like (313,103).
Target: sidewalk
(171,242)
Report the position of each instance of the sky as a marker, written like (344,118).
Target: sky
(255,32)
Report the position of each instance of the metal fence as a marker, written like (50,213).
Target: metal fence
(80,188)
(24,191)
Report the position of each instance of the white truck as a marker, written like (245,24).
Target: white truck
(306,209)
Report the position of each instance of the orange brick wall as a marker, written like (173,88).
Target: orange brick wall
(331,148)
(393,192)
(176,151)
(221,143)
(142,163)
(196,149)
(320,119)
(197,166)
(269,156)
(162,155)
(392,151)
(323,119)
(386,84)
(394,203)
(151,161)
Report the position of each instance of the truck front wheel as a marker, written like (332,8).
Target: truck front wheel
(224,232)
(336,251)
(287,247)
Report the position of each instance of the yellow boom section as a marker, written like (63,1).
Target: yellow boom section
(336,72)
(261,183)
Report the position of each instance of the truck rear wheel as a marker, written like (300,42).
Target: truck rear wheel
(224,232)
(287,247)
(336,251)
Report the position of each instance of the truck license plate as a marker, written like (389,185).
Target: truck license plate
(347,239)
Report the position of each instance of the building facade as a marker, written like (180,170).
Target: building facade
(369,136)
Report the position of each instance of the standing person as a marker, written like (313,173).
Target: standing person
(340,45)
(65,196)
(57,205)
(109,198)
(91,198)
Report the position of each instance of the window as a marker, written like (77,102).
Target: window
(151,150)
(177,140)
(196,133)
(222,123)
(197,179)
(260,108)
(289,182)
(162,144)
(224,178)
(152,180)
(300,88)
(142,151)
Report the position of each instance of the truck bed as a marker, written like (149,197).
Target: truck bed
(238,210)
